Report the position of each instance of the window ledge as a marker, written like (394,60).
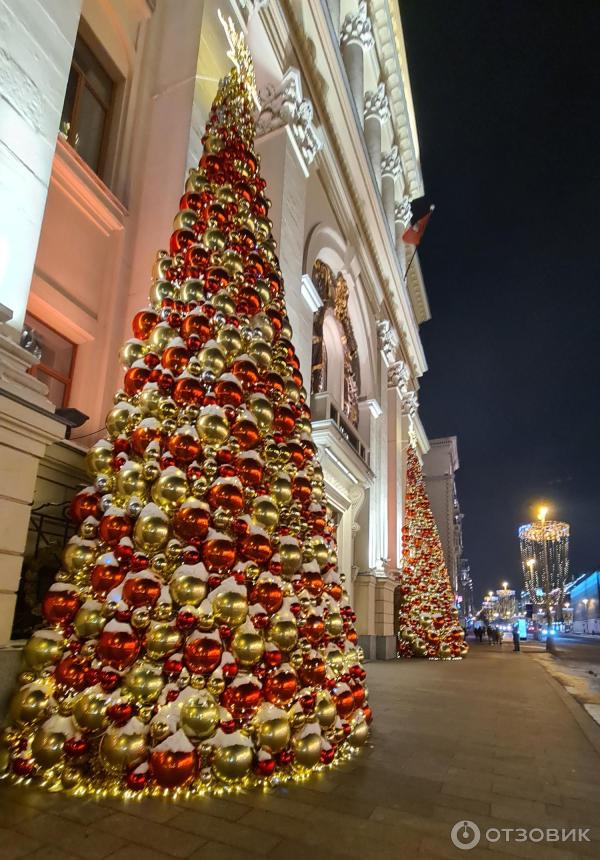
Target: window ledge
(86,189)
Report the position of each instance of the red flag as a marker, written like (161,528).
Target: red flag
(414,233)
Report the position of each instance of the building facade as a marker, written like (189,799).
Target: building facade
(104,111)
(440,465)
(583,600)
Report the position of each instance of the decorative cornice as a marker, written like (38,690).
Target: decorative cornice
(283,105)
(389,44)
(377,105)
(403,212)
(357,30)
(390,163)
(410,404)
(388,341)
(398,378)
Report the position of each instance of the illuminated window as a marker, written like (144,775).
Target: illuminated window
(57,356)
(88,101)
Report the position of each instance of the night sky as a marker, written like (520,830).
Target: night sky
(507,100)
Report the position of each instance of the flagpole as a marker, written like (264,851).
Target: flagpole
(431,208)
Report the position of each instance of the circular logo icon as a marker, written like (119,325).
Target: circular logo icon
(465,835)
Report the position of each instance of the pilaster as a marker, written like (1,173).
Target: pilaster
(377,111)
(356,37)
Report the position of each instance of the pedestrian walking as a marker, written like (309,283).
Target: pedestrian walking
(490,634)
(516,638)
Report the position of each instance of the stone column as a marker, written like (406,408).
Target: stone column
(37,46)
(397,387)
(356,37)
(377,111)
(391,168)
(402,216)
(288,143)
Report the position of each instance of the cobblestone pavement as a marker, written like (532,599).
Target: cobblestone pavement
(493,739)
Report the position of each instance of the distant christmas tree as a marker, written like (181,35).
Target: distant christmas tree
(429,625)
(199,633)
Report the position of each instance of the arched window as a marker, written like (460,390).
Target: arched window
(333,349)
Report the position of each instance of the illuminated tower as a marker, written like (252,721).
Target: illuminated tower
(544,546)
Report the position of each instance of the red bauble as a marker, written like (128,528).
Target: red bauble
(334,589)
(246,371)
(184,447)
(187,390)
(191,522)
(71,672)
(250,470)
(143,323)
(118,648)
(105,576)
(312,581)
(141,591)
(218,553)
(142,436)
(264,767)
(202,654)
(280,687)
(358,691)
(256,547)
(114,527)
(198,325)
(226,495)
(285,420)
(180,241)
(135,379)
(242,699)
(60,606)
(269,594)
(175,359)
(296,452)
(313,629)
(246,433)
(344,701)
(85,504)
(228,392)
(313,671)
(172,769)
(216,279)
(301,489)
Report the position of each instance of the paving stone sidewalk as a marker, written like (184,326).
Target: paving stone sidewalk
(492,739)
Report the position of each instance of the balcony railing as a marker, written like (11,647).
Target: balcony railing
(324,408)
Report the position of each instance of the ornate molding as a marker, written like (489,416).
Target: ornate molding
(403,212)
(387,340)
(410,404)
(391,165)
(357,30)
(377,105)
(398,378)
(284,105)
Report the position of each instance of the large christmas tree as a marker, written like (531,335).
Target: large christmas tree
(198,634)
(429,625)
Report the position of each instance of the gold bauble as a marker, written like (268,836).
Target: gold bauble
(321,551)
(149,400)
(212,426)
(232,261)
(215,686)
(214,239)
(131,351)
(335,660)
(89,710)
(89,621)
(162,639)
(192,290)
(291,558)
(232,762)
(200,715)
(283,632)
(265,512)
(47,746)
(230,339)
(334,624)
(359,733)
(140,618)
(28,705)
(223,302)
(264,325)
(151,531)
(43,649)
(160,336)
(291,390)
(151,471)
(119,750)
(120,418)
(196,181)
(77,555)
(162,289)
(162,264)
(248,647)
(262,353)
(274,735)
(170,490)
(325,710)
(186,219)
(167,409)
(143,682)
(307,749)
(230,607)
(130,480)
(281,489)
(262,409)
(187,590)
(98,459)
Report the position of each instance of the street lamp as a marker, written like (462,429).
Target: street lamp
(585,602)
